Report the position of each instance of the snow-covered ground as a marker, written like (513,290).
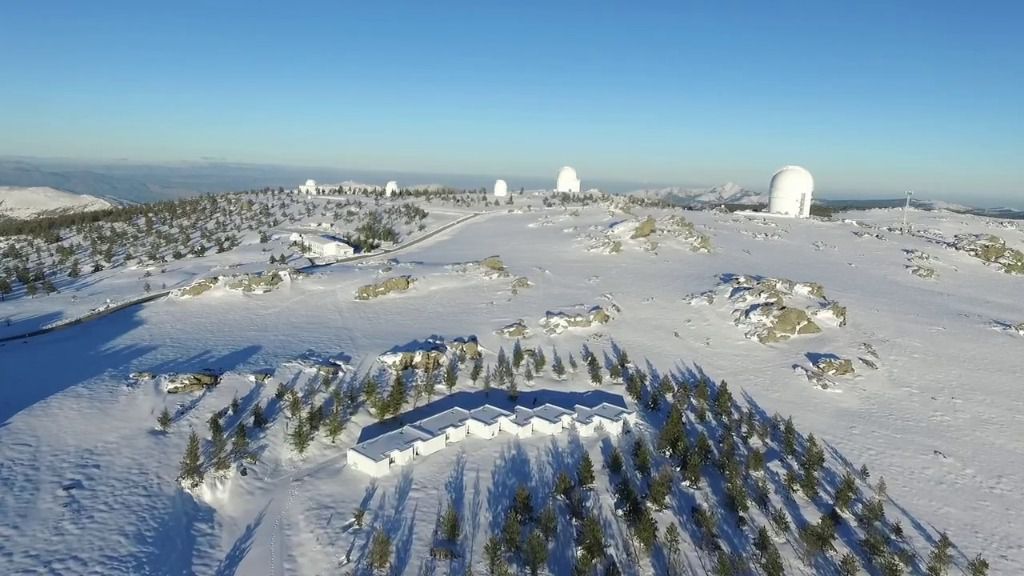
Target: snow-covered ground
(89,482)
(18,202)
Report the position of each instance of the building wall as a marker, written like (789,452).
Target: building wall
(403,457)
(427,447)
(366,465)
(586,429)
(482,430)
(544,427)
(613,427)
(456,434)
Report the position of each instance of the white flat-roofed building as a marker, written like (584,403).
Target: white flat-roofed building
(397,448)
(486,421)
(550,419)
(324,246)
(452,424)
(377,456)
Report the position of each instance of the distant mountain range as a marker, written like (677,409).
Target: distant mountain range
(728,193)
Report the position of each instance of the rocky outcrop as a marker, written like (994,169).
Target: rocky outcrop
(772,322)
(835,366)
(191,382)
(516,329)
(992,250)
(520,283)
(922,271)
(197,288)
(644,229)
(384,287)
(258,283)
(558,322)
(430,354)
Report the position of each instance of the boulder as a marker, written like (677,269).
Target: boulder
(191,382)
(493,263)
(257,283)
(922,271)
(386,286)
(558,322)
(520,283)
(645,228)
(516,329)
(835,366)
(991,250)
(197,288)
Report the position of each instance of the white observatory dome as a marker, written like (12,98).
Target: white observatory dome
(567,180)
(310,183)
(390,188)
(500,188)
(790,192)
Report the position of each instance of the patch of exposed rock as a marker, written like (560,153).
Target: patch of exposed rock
(190,382)
(558,322)
(520,283)
(490,267)
(430,354)
(922,271)
(992,250)
(384,287)
(197,288)
(259,283)
(517,329)
(834,366)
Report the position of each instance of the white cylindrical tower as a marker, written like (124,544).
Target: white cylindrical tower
(567,180)
(500,188)
(390,188)
(790,192)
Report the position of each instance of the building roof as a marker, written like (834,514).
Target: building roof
(437,424)
(602,410)
(489,414)
(322,240)
(382,446)
(551,413)
(523,416)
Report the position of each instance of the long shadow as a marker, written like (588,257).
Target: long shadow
(36,369)
(229,565)
(174,545)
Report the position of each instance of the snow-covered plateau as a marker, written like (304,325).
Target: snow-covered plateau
(701,315)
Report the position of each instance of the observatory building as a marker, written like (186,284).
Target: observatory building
(567,180)
(390,188)
(500,188)
(309,187)
(789,193)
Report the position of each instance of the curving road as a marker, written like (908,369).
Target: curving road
(158,295)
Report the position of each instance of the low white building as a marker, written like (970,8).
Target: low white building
(486,421)
(376,457)
(452,424)
(550,419)
(324,246)
(309,187)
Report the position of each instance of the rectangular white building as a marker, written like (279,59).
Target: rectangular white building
(452,424)
(376,456)
(486,421)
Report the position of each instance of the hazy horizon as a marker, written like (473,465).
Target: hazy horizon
(873,98)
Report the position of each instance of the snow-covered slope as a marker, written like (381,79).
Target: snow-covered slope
(933,406)
(17,202)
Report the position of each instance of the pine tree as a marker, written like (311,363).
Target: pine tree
(641,457)
(450,378)
(300,435)
(219,444)
(845,492)
(594,369)
(939,560)
(539,361)
(517,355)
(528,373)
(474,372)
(522,506)
(164,420)
(615,463)
(977,566)
(848,565)
(789,438)
(258,419)
(191,470)
(535,552)
(294,404)
(557,367)
(547,522)
(240,442)
(585,475)
(723,401)
(660,488)
(492,555)
(572,363)
(380,552)
(451,524)
(335,425)
(510,534)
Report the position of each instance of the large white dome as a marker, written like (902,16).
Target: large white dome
(790,192)
(390,188)
(567,180)
(500,188)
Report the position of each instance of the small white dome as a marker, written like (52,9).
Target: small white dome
(500,188)
(390,188)
(567,180)
(790,191)
(311,183)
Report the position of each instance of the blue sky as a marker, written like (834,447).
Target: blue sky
(873,97)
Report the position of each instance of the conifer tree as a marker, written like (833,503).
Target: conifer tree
(218,445)
(594,369)
(258,419)
(547,522)
(240,442)
(557,367)
(451,524)
(477,368)
(585,475)
(300,435)
(539,361)
(517,355)
(191,470)
(164,420)
(535,552)
(380,552)
(615,463)
(572,363)
(939,559)
(450,378)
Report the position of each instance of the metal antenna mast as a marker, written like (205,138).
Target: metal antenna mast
(906,208)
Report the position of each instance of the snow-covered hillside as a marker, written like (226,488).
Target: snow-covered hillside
(18,202)
(914,377)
